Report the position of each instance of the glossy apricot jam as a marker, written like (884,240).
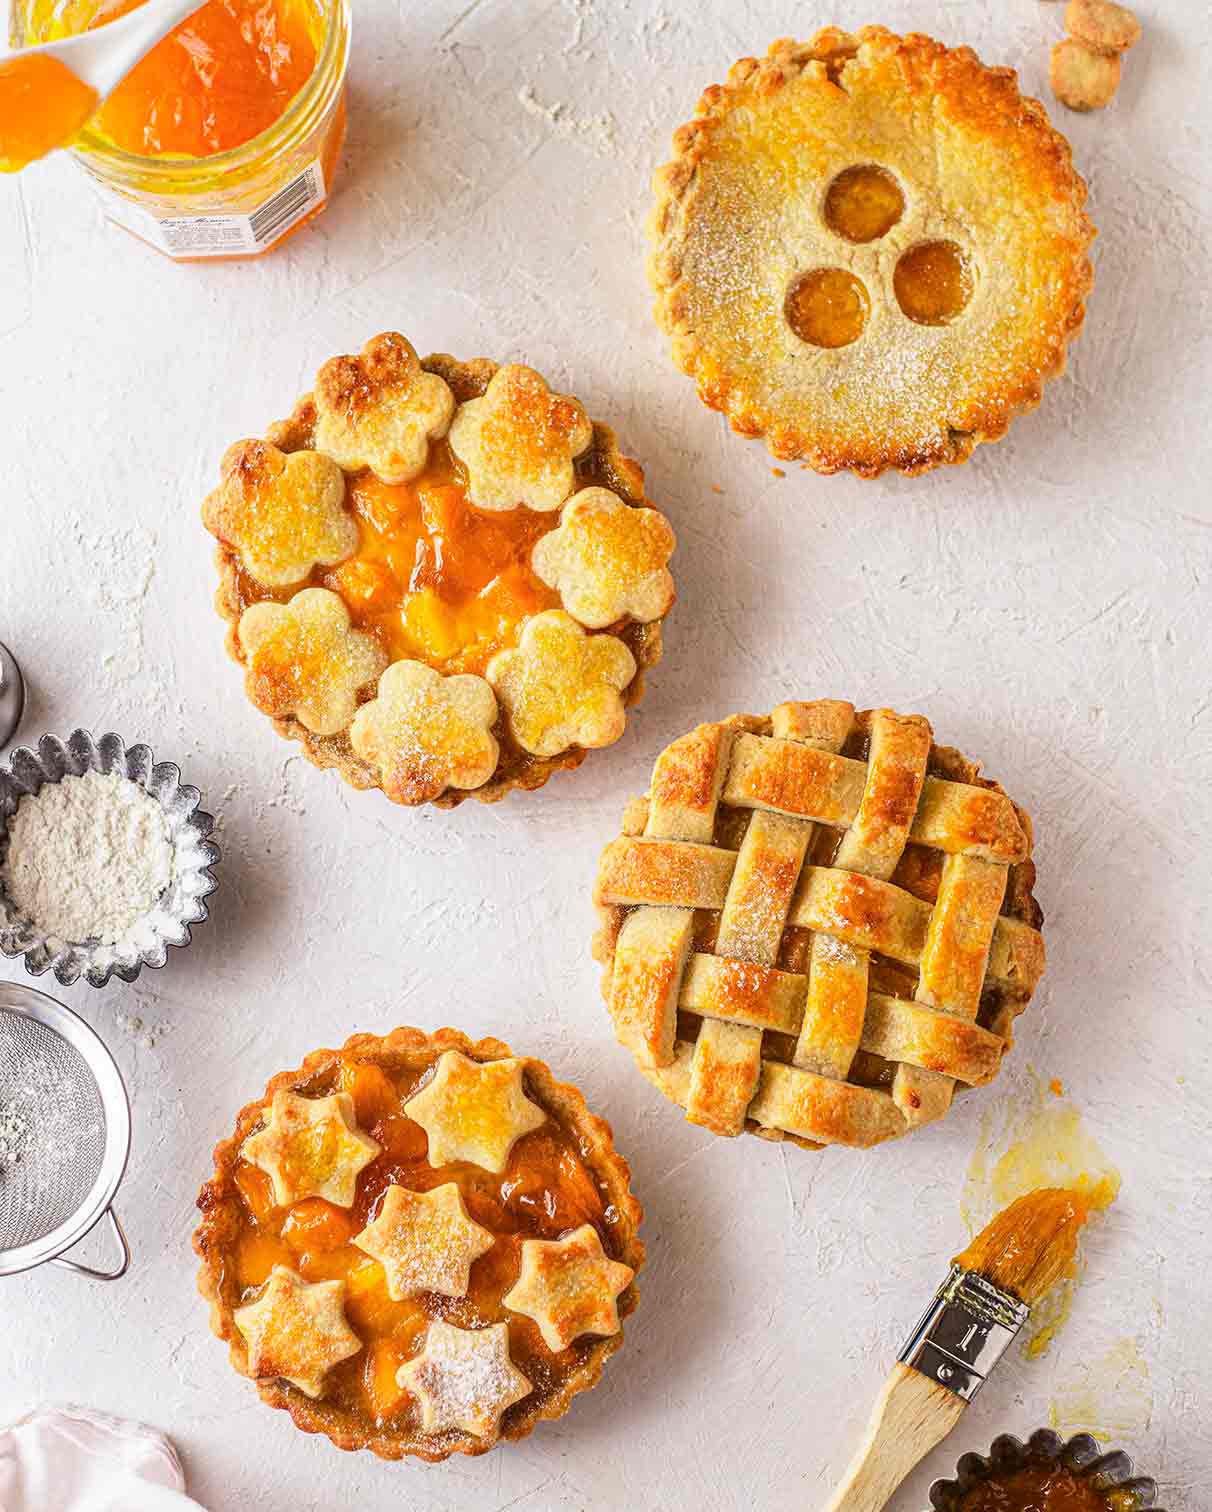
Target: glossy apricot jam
(225,75)
(827,307)
(42,106)
(1042,1487)
(546,1189)
(436,579)
(863,203)
(933,282)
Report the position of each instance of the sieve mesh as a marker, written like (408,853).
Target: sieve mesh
(49,1088)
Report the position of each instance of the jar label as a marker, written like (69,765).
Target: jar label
(224,235)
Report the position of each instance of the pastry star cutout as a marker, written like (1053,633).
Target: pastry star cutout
(569,1287)
(473,1111)
(425,1242)
(464,1379)
(297,1330)
(311,1147)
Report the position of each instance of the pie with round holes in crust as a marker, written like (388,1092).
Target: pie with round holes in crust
(441,577)
(419,1244)
(870,250)
(816,924)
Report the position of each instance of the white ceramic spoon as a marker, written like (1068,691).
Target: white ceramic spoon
(104,57)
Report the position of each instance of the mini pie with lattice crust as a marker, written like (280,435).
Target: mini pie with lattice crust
(419,1244)
(816,924)
(442,578)
(870,250)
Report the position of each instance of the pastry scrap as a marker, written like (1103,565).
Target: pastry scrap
(404,558)
(870,250)
(1085,69)
(816,925)
(419,1244)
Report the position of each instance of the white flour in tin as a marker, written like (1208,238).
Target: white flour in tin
(88,857)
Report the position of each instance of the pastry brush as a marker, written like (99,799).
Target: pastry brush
(974,1317)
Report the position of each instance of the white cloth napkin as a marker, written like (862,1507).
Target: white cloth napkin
(71,1459)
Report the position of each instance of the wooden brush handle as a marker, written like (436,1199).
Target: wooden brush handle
(911,1415)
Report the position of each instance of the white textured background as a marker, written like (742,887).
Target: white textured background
(1046,605)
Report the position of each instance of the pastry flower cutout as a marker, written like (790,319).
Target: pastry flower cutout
(381,409)
(425,732)
(284,512)
(311,1147)
(425,1242)
(297,1330)
(464,1379)
(518,442)
(569,1287)
(561,687)
(607,560)
(475,1111)
(304,658)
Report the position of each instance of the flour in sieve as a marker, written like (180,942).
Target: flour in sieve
(87,857)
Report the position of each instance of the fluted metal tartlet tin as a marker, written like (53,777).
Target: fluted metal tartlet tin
(189,829)
(1107,1471)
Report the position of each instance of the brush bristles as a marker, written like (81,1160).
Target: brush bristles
(1031,1245)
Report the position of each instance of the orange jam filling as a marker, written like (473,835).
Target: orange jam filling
(222,77)
(933,282)
(42,106)
(546,1190)
(441,581)
(827,307)
(863,203)
(1045,1487)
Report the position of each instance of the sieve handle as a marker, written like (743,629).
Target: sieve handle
(100,1275)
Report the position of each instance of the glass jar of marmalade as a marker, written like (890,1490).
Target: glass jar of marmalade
(225,138)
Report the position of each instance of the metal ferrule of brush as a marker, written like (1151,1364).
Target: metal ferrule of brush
(964,1332)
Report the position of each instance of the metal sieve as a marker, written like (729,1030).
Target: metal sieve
(64,1133)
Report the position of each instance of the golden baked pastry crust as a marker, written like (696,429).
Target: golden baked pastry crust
(739,216)
(815,923)
(224,1218)
(601,464)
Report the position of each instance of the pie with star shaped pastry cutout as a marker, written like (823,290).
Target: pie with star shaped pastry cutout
(494,579)
(419,1244)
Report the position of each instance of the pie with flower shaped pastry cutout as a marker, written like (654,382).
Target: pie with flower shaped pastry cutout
(419,1244)
(445,530)
(870,250)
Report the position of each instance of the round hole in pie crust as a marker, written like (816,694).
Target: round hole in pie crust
(827,307)
(863,203)
(933,282)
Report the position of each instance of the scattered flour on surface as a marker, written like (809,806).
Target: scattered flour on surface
(14,1134)
(87,857)
(596,131)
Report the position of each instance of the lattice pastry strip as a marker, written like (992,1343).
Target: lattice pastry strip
(774,790)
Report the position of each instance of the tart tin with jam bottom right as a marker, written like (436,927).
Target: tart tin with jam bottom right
(1109,1473)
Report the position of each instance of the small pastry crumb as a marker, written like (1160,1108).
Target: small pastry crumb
(1081,79)
(778,472)
(1102,26)
(1086,67)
